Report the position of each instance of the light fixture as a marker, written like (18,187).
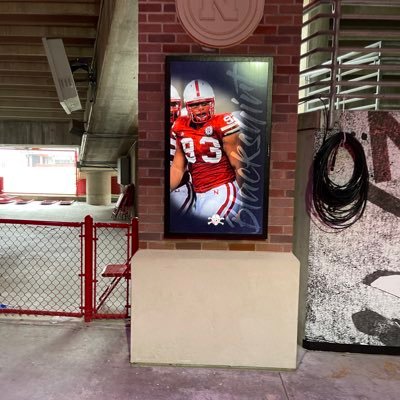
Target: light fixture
(62,74)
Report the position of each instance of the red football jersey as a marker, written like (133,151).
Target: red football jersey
(172,150)
(202,145)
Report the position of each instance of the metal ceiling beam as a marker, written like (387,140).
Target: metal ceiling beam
(49,7)
(38,50)
(48,31)
(33,115)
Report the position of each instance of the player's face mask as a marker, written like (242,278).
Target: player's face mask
(201,112)
(174,110)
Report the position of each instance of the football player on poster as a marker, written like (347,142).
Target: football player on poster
(206,144)
(182,197)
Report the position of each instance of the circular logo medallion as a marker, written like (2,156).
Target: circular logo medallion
(209,130)
(220,23)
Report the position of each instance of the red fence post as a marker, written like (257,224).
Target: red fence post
(88,305)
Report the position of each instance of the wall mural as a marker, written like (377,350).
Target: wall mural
(354,274)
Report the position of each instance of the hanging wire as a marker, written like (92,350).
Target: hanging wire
(339,206)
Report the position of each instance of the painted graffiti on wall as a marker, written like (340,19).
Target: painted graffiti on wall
(354,274)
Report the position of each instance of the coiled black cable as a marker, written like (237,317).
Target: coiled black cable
(339,206)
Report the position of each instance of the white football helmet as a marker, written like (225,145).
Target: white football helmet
(175,105)
(199,100)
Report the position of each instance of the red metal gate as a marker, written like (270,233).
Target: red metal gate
(66,268)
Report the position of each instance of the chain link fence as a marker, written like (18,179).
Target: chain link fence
(41,267)
(55,268)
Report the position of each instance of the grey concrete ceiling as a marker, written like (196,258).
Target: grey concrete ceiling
(102,33)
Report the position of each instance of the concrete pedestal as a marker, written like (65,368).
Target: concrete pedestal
(216,308)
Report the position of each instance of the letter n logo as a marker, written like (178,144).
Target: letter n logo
(227,9)
(219,23)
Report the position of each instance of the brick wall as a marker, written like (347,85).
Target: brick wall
(160,34)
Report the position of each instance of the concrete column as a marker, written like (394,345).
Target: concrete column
(98,188)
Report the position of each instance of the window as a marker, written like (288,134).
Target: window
(38,170)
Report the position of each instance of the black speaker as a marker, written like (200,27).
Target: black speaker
(124,170)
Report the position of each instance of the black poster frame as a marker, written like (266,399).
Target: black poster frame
(242,87)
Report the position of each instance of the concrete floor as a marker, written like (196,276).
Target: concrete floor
(60,358)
